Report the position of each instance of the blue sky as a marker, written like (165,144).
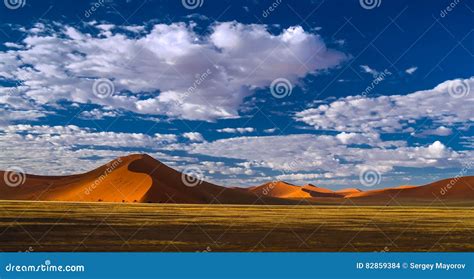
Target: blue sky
(336,93)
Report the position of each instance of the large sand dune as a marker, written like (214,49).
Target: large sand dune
(134,178)
(140,178)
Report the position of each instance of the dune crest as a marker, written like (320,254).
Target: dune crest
(141,178)
(133,178)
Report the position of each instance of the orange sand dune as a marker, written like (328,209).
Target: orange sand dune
(315,192)
(461,188)
(112,182)
(134,178)
(348,191)
(279,189)
(140,178)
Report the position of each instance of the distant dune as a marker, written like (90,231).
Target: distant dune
(348,191)
(279,189)
(460,188)
(142,179)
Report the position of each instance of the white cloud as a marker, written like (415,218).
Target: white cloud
(55,150)
(468,141)
(194,136)
(411,70)
(369,70)
(237,130)
(440,131)
(171,70)
(437,149)
(224,169)
(97,114)
(396,113)
(270,131)
(303,177)
(72,135)
(327,155)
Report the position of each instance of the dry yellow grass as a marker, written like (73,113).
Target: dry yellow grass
(57,226)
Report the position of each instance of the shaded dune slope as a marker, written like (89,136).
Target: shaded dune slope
(134,178)
(458,188)
(141,178)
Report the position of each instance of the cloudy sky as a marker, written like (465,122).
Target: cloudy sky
(335,93)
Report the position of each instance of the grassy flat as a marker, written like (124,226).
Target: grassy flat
(60,226)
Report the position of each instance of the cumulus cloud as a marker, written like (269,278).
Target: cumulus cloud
(53,150)
(167,70)
(449,103)
(329,156)
(194,136)
(440,131)
(97,114)
(237,130)
(72,135)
